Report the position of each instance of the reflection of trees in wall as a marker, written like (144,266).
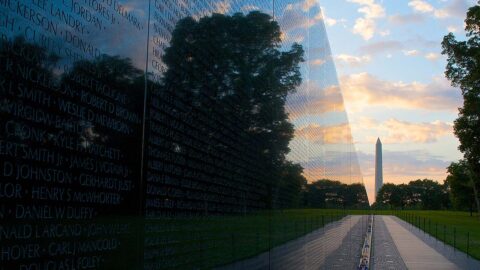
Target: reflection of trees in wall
(326,193)
(230,74)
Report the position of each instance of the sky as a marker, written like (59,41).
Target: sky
(380,73)
(391,73)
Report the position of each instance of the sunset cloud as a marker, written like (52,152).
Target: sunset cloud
(407,19)
(366,25)
(311,99)
(455,8)
(363,89)
(334,164)
(295,16)
(421,6)
(394,131)
(432,56)
(411,53)
(352,60)
(328,21)
(333,134)
(381,46)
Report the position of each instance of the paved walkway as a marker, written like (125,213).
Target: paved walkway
(398,245)
(385,254)
(336,246)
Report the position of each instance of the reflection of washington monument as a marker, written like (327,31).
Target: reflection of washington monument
(378,166)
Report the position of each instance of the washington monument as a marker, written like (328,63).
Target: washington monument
(378,166)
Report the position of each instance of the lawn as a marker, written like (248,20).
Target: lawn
(203,243)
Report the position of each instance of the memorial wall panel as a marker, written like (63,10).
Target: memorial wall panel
(160,134)
(71,127)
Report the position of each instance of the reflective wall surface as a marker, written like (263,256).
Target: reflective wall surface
(164,134)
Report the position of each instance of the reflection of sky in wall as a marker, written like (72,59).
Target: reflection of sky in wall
(323,143)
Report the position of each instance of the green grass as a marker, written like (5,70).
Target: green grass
(206,242)
(455,228)
(202,243)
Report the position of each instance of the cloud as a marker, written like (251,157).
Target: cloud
(456,8)
(411,53)
(406,19)
(222,7)
(311,99)
(321,15)
(333,134)
(366,25)
(365,28)
(308,4)
(432,56)
(452,28)
(406,132)
(351,60)
(394,131)
(421,6)
(248,8)
(381,46)
(334,164)
(407,165)
(384,33)
(318,62)
(369,8)
(294,15)
(363,90)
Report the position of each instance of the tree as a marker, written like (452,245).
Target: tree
(424,194)
(460,186)
(391,195)
(427,193)
(463,70)
(290,186)
(326,193)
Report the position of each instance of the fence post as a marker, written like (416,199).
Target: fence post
(444,234)
(257,243)
(454,238)
(232,236)
(468,243)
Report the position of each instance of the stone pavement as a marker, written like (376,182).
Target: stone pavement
(397,245)
(410,248)
(385,253)
(335,246)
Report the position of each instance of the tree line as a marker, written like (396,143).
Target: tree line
(455,193)
(463,58)
(418,194)
(325,193)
